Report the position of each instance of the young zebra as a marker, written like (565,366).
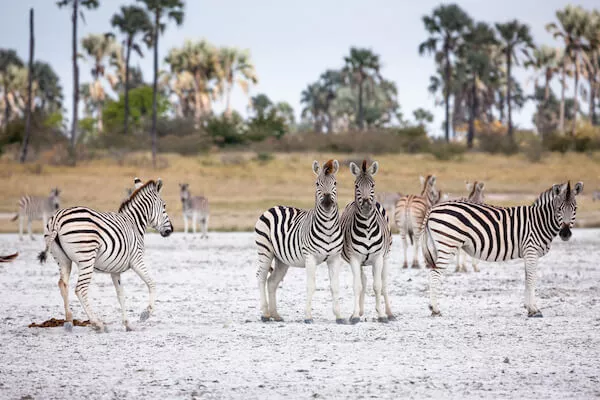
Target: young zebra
(288,236)
(498,234)
(106,242)
(388,201)
(36,208)
(195,207)
(367,241)
(409,213)
(475,196)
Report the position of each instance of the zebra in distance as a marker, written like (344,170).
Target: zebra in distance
(367,241)
(106,242)
(194,207)
(35,208)
(288,236)
(499,234)
(409,214)
(388,200)
(475,190)
(596,195)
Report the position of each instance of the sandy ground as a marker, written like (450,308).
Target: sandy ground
(205,339)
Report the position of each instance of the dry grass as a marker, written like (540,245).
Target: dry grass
(240,187)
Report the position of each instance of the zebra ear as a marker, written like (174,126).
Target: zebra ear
(469,186)
(137,183)
(422,179)
(354,169)
(556,189)
(578,188)
(159,184)
(432,180)
(316,167)
(374,168)
(336,167)
(480,185)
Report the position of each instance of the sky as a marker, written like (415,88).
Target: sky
(291,42)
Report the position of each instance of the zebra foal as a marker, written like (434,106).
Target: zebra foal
(194,207)
(106,242)
(367,241)
(35,208)
(288,236)
(499,234)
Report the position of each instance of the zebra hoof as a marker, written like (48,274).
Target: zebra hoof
(354,320)
(341,321)
(308,321)
(128,328)
(416,266)
(278,319)
(383,320)
(435,313)
(392,318)
(265,319)
(144,315)
(535,314)
(405,265)
(68,326)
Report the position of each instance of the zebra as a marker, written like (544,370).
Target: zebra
(36,208)
(195,207)
(367,241)
(596,195)
(288,236)
(409,213)
(388,200)
(475,190)
(498,234)
(106,242)
(8,258)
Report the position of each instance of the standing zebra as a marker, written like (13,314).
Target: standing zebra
(106,242)
(388,200)
(288,236)
(498,234)
(367,241)
(409,214)
(475,196)
(36,208)
(195,207)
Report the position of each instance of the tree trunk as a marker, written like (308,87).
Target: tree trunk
(561,123)
(155,87)
(360,104)
(472,104)
(127,58)
(547,88)
(593,118)
(508,95)
(228,99)
(329,123)
(75,82)
(29,94)
(575,100)
(6,105)
(198,102)
(447,95)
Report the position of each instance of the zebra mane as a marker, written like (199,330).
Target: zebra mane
(364,166)
(547,195)
(425,185)
(328,167)
(135,193)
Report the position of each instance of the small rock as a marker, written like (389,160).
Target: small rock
(506,360)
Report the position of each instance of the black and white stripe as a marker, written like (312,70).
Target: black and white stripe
(367,241)
(388,201)
(288,236)
(194,207)
(476,195)
(106,242)
(35,208)
(498,234)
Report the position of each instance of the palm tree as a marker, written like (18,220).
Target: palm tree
(50,92)
(544,61)
(446,27)
(235,66)
(131,22)
(260,104)
(8,58)
(573,21)
(161,9)
(74,5)
(311,97)
(592,35)
(362,65)
(99,48)
(514,36)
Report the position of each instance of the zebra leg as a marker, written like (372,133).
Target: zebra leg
(475,266)
(21,227)
(63,284)
(264,265)
(358,287)
(116,278)
(384,291)
(194,222)
(29,228)
(435,277)
(205,227)
(311,271)
(141,270)
(363,291)
(416,248)
(334,282)
(185,223)
(275,277)
(377,283)
(81,290)
(530,279)
(404,249)
(457,261)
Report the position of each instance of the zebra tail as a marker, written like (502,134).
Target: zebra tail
(428,246)
(14,218)
(49,238)
(409,225)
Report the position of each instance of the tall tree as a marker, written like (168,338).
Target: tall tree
(544,62)
(76,12)
(311,97)
(29,90)
(50,91)
(361,65)
(161,10)
(8,59)
(131,22)
(235,67)
(446,26)
(592,35)
(514,36)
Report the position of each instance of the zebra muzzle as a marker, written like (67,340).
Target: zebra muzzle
(327,201)
(565,232)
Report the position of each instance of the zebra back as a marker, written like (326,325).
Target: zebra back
(191,203)
(35,207)
(411,209)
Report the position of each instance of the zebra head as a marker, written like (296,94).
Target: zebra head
(184,192)
(429,191)
(54,198)
(565,206)
(326,193)
(475,190)
(158,218)
(364,186)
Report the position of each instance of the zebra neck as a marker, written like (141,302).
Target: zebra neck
(545,220)
(367,220)
(327,219)
(139,218)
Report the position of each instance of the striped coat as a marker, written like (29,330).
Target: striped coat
(35,208)
(194,207)
(475,196)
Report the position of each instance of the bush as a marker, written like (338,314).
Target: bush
(264,157)
(533,150)
(494,143)
(558,143)
(446,151)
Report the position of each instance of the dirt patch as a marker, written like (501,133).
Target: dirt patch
(53,323)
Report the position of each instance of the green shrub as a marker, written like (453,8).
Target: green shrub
(264,157)
(446,151)
(494,143)
(559,143)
